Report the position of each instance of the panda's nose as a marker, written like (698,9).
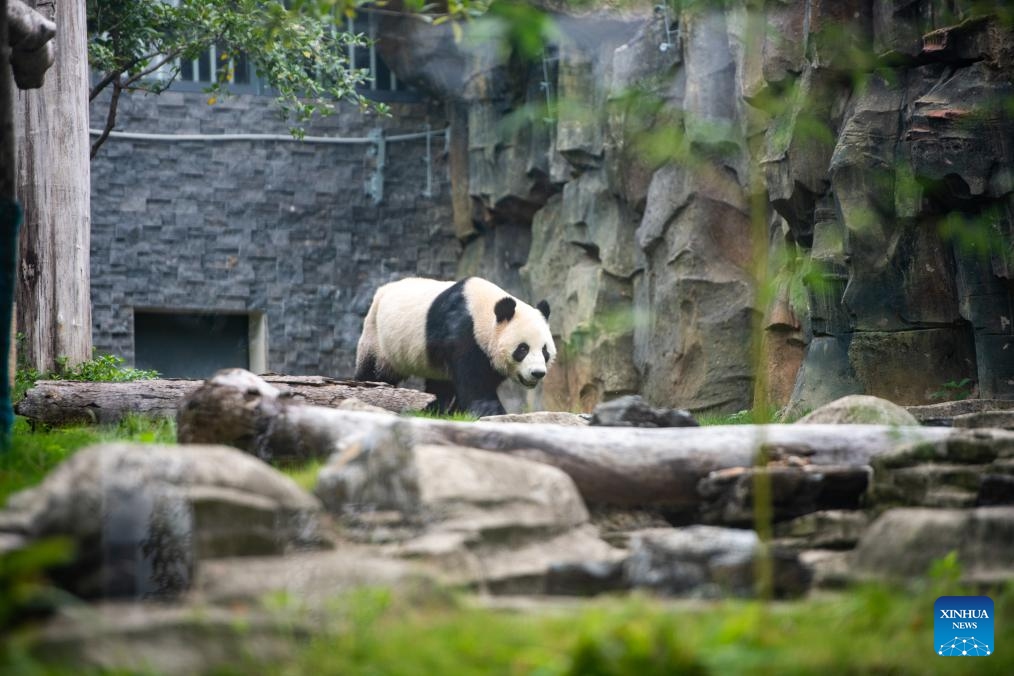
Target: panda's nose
(538,375)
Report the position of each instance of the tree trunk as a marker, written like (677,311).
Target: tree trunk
(618,466)
(54,183)
(8,232)
(62,402)
(7,154)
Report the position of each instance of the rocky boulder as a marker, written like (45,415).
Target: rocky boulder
(154,638)
(488,519)
(1003,420)
(830,529)
(707,561)
(944,413)
(796,489)
(972,467)
(859,409)
(540,418)
(313,579)
(633,411)
(141,517)
(904,543)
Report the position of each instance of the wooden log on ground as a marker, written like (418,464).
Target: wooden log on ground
(64,402)
(611,466)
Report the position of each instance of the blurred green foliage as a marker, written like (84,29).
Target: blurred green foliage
(25,592)
(870,629)
(304,474)
(34,453)
(954,390)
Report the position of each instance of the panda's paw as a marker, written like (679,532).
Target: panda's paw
(486,407)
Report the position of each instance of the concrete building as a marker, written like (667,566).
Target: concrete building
(211,249)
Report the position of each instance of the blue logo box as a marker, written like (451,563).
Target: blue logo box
(963,626)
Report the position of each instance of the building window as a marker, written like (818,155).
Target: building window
(217,64)
(196,344)
(382,78)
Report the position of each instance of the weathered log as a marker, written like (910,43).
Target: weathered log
(611,466)
(63,402)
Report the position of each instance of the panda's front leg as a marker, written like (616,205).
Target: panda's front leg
(475,390)
(444,391)
(484,407)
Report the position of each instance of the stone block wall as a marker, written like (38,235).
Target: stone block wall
(280,228)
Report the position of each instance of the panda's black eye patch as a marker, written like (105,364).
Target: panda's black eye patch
(520,352)
(545,353)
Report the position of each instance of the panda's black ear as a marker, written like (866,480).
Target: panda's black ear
(504,309)
(543,307)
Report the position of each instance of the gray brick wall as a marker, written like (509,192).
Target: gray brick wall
(261,226)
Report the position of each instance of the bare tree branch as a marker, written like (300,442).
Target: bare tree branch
(103,83)
(145,73)
(110,117)
(113,75)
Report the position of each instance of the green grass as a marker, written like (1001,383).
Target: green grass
(772,416)
(34,453)
(708,419)
(872,629)
(453,417)
(738,418)
(305,475)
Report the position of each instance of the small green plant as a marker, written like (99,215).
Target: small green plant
(24,380)
(954,390)
(102,368)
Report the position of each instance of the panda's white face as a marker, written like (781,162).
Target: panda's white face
(524,346)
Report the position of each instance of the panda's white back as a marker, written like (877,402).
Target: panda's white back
(402,313)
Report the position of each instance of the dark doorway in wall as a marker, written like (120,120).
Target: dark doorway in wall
(192,345)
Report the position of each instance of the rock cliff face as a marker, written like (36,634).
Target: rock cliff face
(613,177)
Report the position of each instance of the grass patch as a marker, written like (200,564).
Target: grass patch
(305,475)
(749,417)
(871,629)
(459,417)
(34,453)
(708,419)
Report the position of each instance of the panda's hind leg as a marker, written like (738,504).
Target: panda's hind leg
(369,368)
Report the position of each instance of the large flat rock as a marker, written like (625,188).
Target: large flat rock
(141,516)
(904,543)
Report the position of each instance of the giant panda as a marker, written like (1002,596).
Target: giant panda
(465,338)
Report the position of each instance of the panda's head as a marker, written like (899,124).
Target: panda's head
(523,346)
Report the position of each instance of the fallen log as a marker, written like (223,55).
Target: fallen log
(611,466)
(65,402)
